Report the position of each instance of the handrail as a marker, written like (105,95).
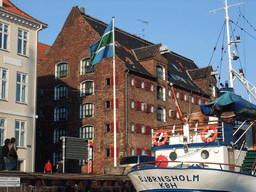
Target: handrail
(196,162)
(253,166)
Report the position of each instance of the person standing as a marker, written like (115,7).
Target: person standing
(59,167)
(13,157)
(48,167)
(5,151)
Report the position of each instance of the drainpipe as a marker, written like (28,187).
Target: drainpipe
(35,100)
(126,115)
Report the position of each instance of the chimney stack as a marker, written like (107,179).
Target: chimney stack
(1,3)
(82,10)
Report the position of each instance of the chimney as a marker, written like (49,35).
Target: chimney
(82,10)
(1,3)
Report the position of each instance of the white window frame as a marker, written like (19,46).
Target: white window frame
(151,87)
(23,44)
(142,84)
(185,97)
(86,132)
(171,113)
(192,99)
(86,110)
(161,96)
(23,85)
(143,106)
(142,152)
(20,133)
(151,108)
(59,71)
(162,75)
(85,66)
(132,81)
(163,114)
(212,90)
(132,151)
(58,113)
(3,83)
(132,104)
(143,129)
(2,130)
(60,92)
(84,90)
(132,127)
(4,35)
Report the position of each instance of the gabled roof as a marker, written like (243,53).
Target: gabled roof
(130,48)
(9,6)
(200,72)
(43,49)
(146,52)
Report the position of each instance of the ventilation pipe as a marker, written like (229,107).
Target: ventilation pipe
(82,10)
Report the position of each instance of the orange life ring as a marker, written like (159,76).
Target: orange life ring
(209,140)
(160,143)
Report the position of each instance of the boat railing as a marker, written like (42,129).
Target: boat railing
(194,164)
(195,129)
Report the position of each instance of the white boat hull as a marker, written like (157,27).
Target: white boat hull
(191,179)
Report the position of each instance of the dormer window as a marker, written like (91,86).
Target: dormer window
(160,72)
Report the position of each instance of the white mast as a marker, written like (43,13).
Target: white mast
(231,81)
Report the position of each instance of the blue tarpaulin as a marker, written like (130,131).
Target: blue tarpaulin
(230,102)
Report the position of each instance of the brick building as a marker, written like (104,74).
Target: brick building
(76,100)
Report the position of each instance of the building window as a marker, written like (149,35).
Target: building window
(211,90)
(60,92)
(60,114)
(57,156)
(21,87)
(132,104)
(185,97)
(132,127)
(132,152)
(86,110)
(192,99)
(161,93)
(132,81)
(160,114)
(143,129)
(107,152)
(143,106)
(86,67)
(142,152)
(142,84)
(86,88)
(177,95)
(160,72)
(151,87)
(108,81)
(107,127)
(107,104)
(62,70)
(2,131)
(151,108)
(86,132)
(171,113)
(20,133)
(4,34)
(57,134)
(22,42)
(3,83)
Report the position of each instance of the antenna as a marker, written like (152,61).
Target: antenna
(143,30)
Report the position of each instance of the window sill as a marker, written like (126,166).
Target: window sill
(26,56)
(21,103)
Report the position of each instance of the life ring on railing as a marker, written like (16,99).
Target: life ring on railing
(209,140)
(159,142)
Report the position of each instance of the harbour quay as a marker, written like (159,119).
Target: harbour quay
(15,181)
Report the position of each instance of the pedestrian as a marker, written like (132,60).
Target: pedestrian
(5,152)
(60,167)
(48,167)
(13,157)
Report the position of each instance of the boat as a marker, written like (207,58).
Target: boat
(212,155)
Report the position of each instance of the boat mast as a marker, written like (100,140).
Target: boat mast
(229,47)
(231,80)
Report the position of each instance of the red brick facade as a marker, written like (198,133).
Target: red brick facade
(71,47)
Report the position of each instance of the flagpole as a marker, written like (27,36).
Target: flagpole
(114,90)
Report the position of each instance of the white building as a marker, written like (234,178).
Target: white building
(18,77)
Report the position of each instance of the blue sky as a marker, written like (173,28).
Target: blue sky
(185,26)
